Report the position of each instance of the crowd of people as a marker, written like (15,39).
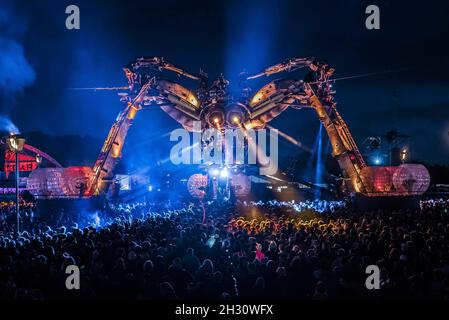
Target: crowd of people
(314,205)
(240,251)
(8,215)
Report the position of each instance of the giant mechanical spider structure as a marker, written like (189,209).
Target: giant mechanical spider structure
(215,107)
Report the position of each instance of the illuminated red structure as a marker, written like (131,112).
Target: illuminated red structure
(406,179)
(26,163)
(27,160)
(60,182)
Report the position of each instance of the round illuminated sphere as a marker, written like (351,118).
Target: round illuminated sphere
(196,185)
(46,182)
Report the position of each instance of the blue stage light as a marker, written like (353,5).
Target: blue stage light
(319,162)
(214,172)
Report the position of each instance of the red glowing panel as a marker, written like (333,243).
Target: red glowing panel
(26,163)
(75,181)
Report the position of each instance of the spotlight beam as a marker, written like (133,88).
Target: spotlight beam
(363,75)
(290,139)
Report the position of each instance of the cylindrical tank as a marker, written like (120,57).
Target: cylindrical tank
(75,181)
(411,179)
(46,182)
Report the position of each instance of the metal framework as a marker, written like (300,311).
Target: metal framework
(215,107)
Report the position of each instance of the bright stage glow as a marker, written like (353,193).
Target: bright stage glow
(377,161)
(214,172)
(404,154)
(224,173)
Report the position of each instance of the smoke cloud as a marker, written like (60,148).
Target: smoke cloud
(7,125)
(15,71)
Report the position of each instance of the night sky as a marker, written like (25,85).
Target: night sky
(40,59)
